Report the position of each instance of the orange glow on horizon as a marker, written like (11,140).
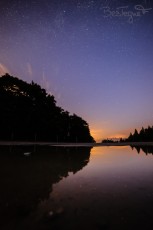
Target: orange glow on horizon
(108,133)
(97,134)
(101,134)
(117,136)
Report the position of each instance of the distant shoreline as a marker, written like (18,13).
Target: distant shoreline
(24,143)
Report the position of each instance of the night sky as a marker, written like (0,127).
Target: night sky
(94,57)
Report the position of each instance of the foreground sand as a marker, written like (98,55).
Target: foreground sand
(76,144)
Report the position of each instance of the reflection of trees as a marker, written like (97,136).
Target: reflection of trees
(25,180)
(146,149)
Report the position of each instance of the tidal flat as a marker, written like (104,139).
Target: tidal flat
(76,187)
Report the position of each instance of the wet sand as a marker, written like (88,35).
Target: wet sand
(24,143)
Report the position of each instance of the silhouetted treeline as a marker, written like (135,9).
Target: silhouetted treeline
(113,141)
(109,141)
(145,135)
(28,113)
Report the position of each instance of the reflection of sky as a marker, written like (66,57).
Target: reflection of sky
(120,160)
(113,166)
(116,185)
(99,68)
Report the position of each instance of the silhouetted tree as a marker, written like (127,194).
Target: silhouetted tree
(143,135)
(29,113)
(130,138)
(136,135)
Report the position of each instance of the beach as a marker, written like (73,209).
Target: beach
(24,143)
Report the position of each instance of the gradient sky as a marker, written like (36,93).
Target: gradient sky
(96,64)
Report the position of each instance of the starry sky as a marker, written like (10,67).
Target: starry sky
(95,57)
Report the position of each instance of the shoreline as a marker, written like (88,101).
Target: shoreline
(24,143)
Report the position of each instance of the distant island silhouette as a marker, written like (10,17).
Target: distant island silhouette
(29,113)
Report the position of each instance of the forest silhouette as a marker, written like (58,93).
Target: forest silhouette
(29,113)
(145,135)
